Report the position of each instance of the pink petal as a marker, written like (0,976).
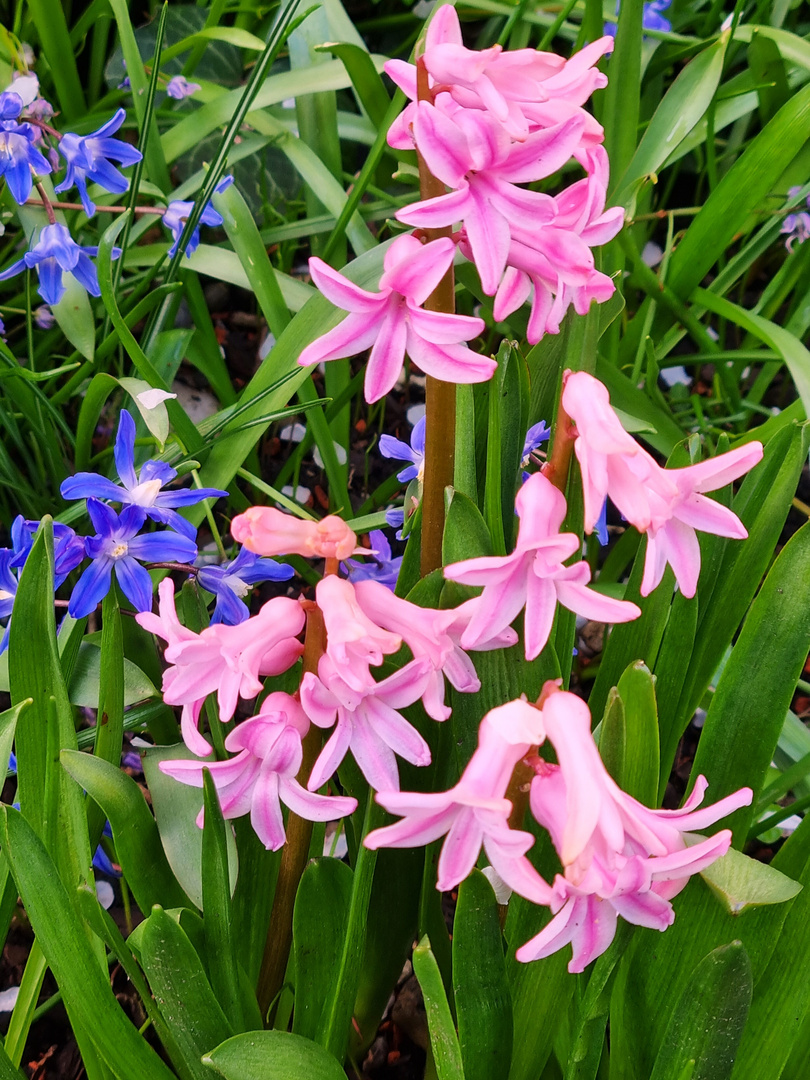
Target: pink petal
(459,851)
(411,832)
(442,144)
(518,873)
(644,909)
(543,153)
(331,756)
(353,335)
(265,813)
(451,363)
(705,514)
(439,212)
(415,269)
(488,235)
(539,617)
(553,937)
(683,554)
(593,932)
(395,731)
(720,470)
(655,563)
(513,291)
(387,356)
(342,292)
(573,593)
(314,807)
(443,328)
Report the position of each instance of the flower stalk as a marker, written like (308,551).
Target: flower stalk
(440,396)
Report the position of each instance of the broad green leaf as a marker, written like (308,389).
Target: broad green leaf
(742,882)
(52,805)
(684,103)
(480,986)
(181,988)
(176,807)
(84,984)
(273,1055)
(673,660)
(219,943)
(137,843)
(50,19)
(320,919)
(86,680)
(748,708)
(466,535)
(762,505)
(75,317)
(508,394)
(707,1023)
(640,773)
(443,1038)
(750,180)
(366,80)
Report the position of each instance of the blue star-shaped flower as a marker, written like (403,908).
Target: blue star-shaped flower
(177,214)
(234,580)
(68,548)
(19,156)
(402,451)
(116,546)
(143,489)
(380,566)
(54,254)
(87,159)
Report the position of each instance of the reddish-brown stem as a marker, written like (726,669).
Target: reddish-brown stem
(78,206)
(47,204)
(559,461)
(295,852)
(45,127)
(440,397)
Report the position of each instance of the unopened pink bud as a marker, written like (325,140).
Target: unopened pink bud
(266,531)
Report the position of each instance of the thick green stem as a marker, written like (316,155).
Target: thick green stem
(440,400)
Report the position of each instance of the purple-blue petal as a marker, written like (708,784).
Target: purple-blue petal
(163,547)
(91,588)
(85,485)
(124,450)
(135,582)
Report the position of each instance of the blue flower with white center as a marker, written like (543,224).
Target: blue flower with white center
(177,214)
(117,546)
(179,87)
(402,451)
(68,548)
(87,159)
(380,567)
(8,591)
(54,254)
(19,157)
(232,582)
(143,489)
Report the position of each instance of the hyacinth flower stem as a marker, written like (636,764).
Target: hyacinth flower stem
(440,396)
(46,204)
(559,461)
(295,853)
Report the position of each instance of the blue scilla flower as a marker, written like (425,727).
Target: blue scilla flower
(102,861)
(54,254)
(380,565)
(19,157)
(179,87)
(117,546)
(87,159)
(177,214)
(535,437)
(395,519)
(234,580)
(68,548)
(8,592)
(143,489)
(652,17)
(11,105)
(402,451)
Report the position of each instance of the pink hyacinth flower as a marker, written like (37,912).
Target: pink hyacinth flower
(353,640)
(433,636)
(534,576)
(469,153)
(671,538)
(367,722)
(619,857)
(267,531)
(611,461)
(262,776)
(228,660)
(472,814)
(392,322)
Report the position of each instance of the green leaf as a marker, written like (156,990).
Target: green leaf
(84,984)
(75,317)
(273,1055)
(636,690)
(365,78)
(85,683)
(748,708)
(684,103)
(508,393)
(176,807)
(219,943)
(320,921)
(742,883)
(110,719)
(466,535)
(707,1023)
(181,988)
(137,843)
(443,1038)
(480,986)
(747,183)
